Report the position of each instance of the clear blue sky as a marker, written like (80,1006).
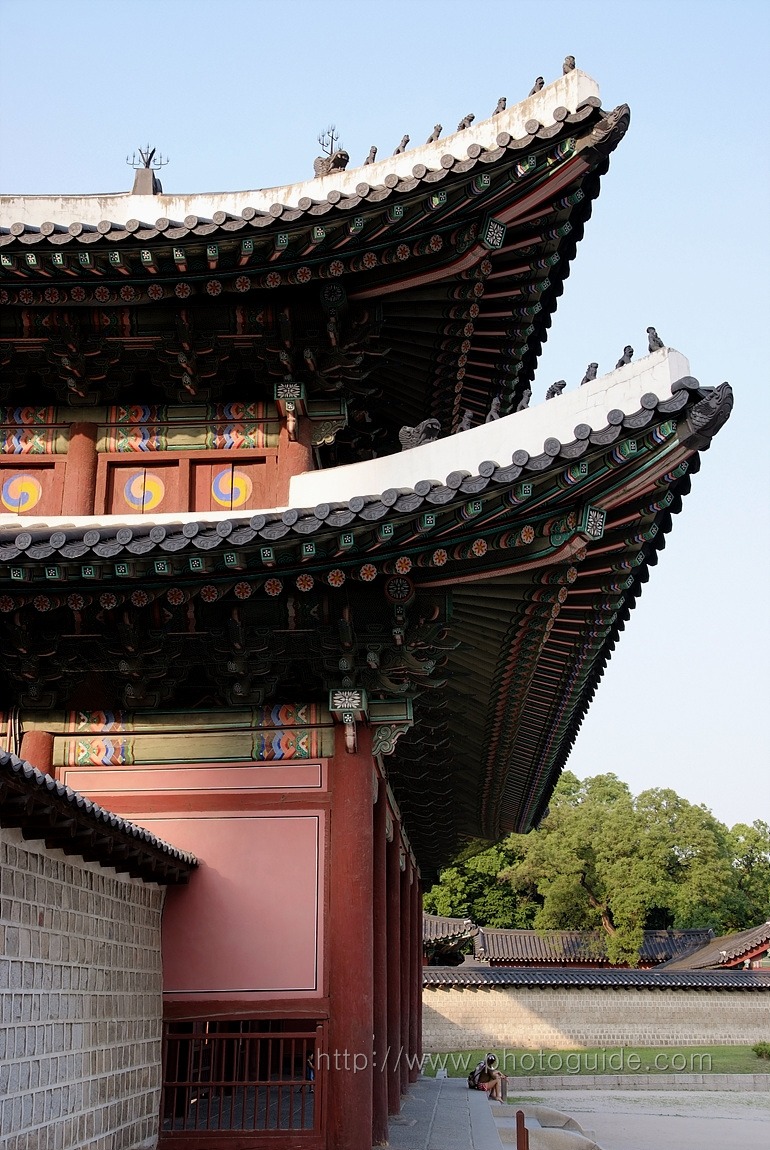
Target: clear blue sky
(236,92)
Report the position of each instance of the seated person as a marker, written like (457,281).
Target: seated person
(486,1077)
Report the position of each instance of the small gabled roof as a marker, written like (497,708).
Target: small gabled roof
(725,951)
(66,820)
(576,947)
(439,928)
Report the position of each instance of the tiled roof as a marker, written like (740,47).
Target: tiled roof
(67,820)
(462,976)
(723,951)
(438,928)
(533,948)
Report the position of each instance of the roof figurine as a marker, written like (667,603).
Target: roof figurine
(372,155)
(568,65)
(524,401)
(654,342)
(424,432)
(500,106)
(538,85)
(466,423)
(556,389)
(626,357)
(466,122)
(437,130)
(590,374)
(335,159)
(402,146)
(494,409)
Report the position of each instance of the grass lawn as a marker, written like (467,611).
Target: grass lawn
(606,1060)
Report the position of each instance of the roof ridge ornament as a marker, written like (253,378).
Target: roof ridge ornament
(146,183)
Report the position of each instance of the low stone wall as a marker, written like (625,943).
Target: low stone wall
(80,984)
(560,1018)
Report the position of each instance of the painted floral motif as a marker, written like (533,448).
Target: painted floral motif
(403,565)
(305,582)
(368,572)
(52,295)
(439,557)
(6,604)
(273,587)
(563,592)
(336,268)
(4,297)
(155,291)
(273,279)
(242,590)
(175,596)
(108,600)
(76,602)
(41,603)
(479,547)
(369,260)
(209,593)
(402,252)
(435,243)
(102,293)
(304,275)
(527,534)
(140,598)
(214,287)
(127,293)
(571,574)
(182,290)
(243,283)
(26,296)
(336,577)
(78,294)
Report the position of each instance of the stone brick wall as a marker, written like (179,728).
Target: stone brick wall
(560,1018)
(80,986)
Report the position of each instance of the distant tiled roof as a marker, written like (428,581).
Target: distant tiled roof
(575,947)
(438,928)
(445,976)
(65,819)
(723,951)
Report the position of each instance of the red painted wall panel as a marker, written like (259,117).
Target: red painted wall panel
(250,919)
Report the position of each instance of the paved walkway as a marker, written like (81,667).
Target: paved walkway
(443,1114)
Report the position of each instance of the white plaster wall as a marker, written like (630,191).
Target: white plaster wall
(498,440)
(567,92)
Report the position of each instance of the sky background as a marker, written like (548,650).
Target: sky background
(236,92)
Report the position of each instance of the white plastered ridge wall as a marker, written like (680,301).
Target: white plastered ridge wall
(554,418)
(566,92)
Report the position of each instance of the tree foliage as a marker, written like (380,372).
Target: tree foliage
(604,859)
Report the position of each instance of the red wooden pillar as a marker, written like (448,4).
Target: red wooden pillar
(380,981)
(394,973)
(37,749)
(80,471)
(415,1009)
(406,971)
(349,1075)
(295,456)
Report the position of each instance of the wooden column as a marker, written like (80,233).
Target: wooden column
(394,973)
(415,1008)
(37,749)
(80,471)
(406,971)
(380,980)
(294,457)
(349,926)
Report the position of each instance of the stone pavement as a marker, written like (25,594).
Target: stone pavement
(443,1114)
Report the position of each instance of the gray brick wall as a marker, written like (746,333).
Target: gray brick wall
(81,1006)
(563,1018)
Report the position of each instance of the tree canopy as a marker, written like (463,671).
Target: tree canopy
(602,858)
